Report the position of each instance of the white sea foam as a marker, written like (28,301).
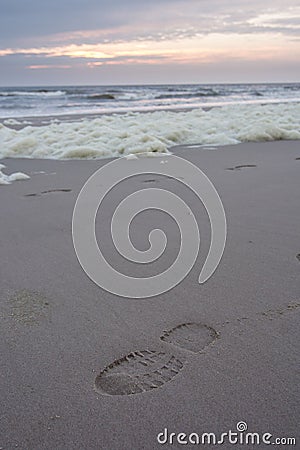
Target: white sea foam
(40,93)
(7,179)
(155,132)
(16,122)
(12,122)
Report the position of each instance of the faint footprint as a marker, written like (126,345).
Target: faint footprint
(142,371)
(298,256)
(138,372)
(28,307)
(268,314)
(149,181)
(56,190)
(47,192)
(273,313)
(243,166)
(190,336)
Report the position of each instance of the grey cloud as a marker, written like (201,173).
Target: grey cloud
(26,18)
(27,21)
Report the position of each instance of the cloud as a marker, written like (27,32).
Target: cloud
(92,35)
(48,66)
(117,20)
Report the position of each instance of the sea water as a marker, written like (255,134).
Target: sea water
(46,101)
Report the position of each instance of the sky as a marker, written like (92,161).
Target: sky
(67,42)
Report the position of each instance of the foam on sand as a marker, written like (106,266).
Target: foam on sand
(118,135)
(7,179)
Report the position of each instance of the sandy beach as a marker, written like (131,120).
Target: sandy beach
(59,330)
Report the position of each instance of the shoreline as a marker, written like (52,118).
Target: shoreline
(123,134)
(44,120)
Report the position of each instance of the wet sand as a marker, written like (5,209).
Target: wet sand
(59,331)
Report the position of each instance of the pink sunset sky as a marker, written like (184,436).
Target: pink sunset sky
(166,41)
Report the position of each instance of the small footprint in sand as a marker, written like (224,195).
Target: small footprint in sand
(243,166)
(28,307)
(142,371)
(47,192)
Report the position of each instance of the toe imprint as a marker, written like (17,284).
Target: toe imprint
(138,372)
(190,336)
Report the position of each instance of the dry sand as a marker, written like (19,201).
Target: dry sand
(59,330)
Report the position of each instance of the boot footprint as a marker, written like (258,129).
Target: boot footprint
(142,371)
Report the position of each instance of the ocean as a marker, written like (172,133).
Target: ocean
(66,100)
(92,122)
